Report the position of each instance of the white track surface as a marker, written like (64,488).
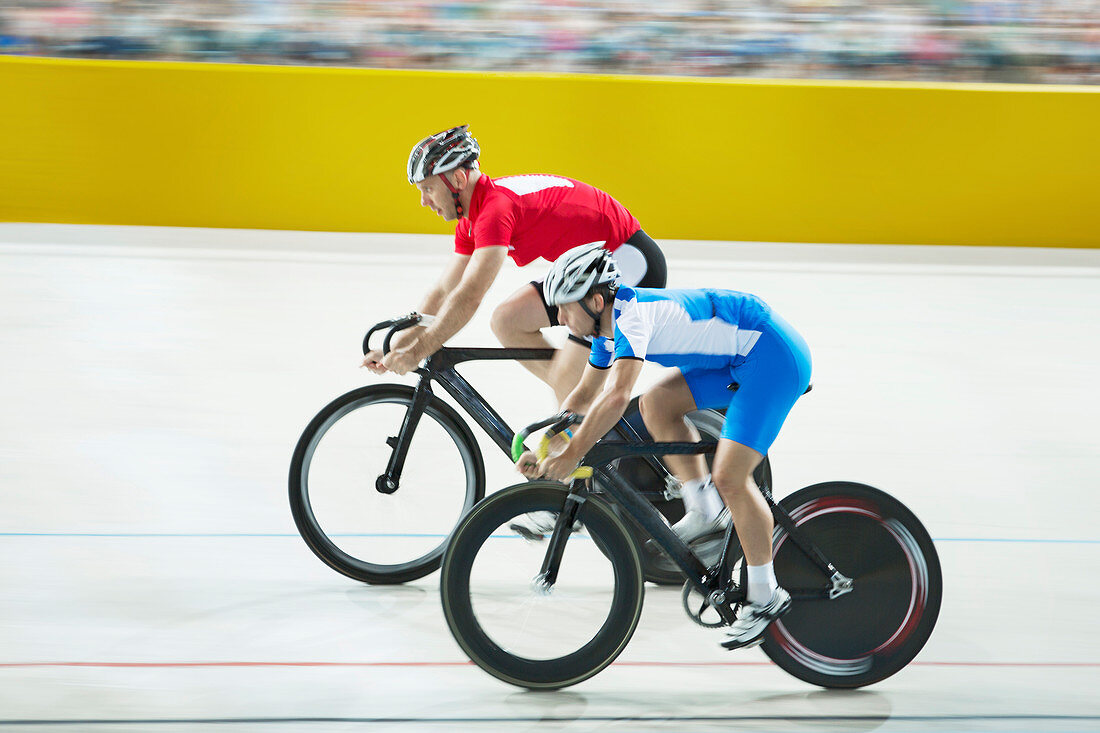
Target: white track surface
(154,382)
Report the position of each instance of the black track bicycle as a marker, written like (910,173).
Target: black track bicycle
(861,569)
(382,475)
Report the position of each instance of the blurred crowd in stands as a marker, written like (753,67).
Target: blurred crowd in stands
(1028,41)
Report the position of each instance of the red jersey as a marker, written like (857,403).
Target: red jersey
(541,216)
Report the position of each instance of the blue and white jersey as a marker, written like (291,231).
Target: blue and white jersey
(690,329)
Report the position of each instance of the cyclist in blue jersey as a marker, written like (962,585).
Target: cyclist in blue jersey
(716,339)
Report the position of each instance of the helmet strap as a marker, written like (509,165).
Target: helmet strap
(595,317)
(454,192)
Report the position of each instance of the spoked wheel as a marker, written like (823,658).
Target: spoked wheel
(354,526)
(866,635)
(517,631)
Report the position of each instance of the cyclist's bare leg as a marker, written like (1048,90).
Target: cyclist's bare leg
(765,600)
(732,474)
(664,408)
(517,323)
(566,368)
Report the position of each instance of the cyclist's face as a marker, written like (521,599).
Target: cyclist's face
(436,197)
(573,317)
(567,316)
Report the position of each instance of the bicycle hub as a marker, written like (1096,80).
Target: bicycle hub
(385,484)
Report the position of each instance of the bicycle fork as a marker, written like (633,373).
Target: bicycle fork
(390,480)
(543,583)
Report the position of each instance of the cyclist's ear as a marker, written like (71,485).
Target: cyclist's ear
(459,177)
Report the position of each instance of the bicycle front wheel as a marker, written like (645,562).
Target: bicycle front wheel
(872,632)
(350,524)
(520,632)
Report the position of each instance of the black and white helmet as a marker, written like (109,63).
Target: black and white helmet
(442,152)
(577,271)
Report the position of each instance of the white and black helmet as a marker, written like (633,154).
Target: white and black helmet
(577,271)
(442,152)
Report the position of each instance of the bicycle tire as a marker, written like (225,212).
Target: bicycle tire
(309,527)
(614,541)
(872,632)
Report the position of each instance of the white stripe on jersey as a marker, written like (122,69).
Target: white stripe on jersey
(663,327)
(523,185)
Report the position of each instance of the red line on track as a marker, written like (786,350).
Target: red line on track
(465,664)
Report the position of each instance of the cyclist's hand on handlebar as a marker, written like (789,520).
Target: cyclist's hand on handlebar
(373,360)
(528,464)
(558,466)
(401,361)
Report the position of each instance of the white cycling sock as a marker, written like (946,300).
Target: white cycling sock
(762,583)
(692,494)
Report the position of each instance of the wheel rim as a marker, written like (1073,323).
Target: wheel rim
(569,635)
(356,524)
(530,624)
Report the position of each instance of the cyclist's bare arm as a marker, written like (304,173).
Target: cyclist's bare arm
(448,281)
(606,410)
(432,302)
(459,306)
(580,399)
(608,406)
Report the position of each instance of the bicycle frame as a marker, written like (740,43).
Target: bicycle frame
(440,367)
(714,583)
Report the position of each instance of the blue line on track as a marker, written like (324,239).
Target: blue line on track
(440,536)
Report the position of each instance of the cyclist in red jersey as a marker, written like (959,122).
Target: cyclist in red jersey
(523,217)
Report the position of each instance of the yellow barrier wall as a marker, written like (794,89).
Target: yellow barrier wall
(325,149)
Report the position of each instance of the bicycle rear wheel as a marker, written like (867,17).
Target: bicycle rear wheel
(872,632)
(346,521)
(516,631)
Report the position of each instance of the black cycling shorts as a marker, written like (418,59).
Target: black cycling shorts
(641,262)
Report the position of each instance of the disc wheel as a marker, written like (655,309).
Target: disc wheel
(873,631)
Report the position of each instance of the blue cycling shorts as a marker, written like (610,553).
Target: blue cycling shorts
(772,378)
